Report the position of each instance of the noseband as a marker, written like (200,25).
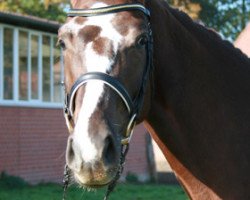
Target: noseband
(133,106)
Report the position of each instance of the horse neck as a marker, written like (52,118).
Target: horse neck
(183,46)
(193,65)
(201,100)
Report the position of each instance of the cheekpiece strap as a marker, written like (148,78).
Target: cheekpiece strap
(107,10)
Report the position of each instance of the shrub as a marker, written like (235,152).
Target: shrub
(10,182)
(132,178)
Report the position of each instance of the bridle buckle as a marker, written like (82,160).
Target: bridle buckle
(129,131)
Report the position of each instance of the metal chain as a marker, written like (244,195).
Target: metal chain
(66,178)
(111,187)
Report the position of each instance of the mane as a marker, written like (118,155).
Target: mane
(205,36)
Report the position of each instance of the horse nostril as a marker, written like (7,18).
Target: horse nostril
(109,151)
(70,152)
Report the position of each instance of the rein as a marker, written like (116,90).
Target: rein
(133,106)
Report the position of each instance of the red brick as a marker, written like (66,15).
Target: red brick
(33,143)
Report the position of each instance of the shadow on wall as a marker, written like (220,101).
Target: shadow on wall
(145,161)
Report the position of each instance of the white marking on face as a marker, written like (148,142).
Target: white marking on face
(94,89)
(81,136)
(72,27)
(105,23)
(130,38)
(95,62)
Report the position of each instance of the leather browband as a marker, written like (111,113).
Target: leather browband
(107,10)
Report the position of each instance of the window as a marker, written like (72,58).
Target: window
(30,68)
(23,65)
(34,67)
(8,63)
(46,69)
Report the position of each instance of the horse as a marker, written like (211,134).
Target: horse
(130,61)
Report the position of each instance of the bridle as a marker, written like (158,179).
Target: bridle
(133,106)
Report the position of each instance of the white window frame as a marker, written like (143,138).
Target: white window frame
(29,102)
(1,62)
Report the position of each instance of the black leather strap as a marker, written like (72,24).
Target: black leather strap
(108,10)
(105,78)
(138,101)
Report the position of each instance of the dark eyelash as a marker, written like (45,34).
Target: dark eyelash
(61,44)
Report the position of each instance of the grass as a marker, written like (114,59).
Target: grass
(24,191)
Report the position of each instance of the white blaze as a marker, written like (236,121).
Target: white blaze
(94,89)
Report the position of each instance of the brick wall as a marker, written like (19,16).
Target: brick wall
(33,142)
(136,161)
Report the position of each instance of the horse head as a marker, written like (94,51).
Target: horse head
(106,55)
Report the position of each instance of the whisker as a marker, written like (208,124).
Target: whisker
(119,125)
(62,155)
(82,196)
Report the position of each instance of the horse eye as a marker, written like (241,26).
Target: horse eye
(61,43)
(142,41)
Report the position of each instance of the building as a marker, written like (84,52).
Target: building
(243,41)
(33,133)
(32,130)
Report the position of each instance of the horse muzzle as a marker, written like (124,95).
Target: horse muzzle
(92,167)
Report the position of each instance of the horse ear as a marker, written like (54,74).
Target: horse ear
(73,3)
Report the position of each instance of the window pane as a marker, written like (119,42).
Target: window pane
(34,66)
(46,68)
(23,65)
(8,63)
(57,74)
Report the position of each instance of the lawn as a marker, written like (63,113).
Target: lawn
(18,191)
